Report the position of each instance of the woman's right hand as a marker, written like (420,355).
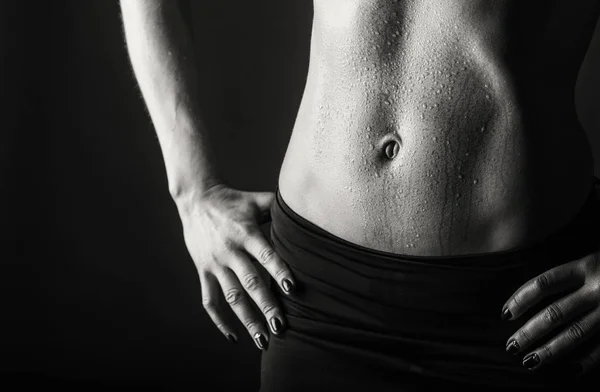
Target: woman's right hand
(222,234)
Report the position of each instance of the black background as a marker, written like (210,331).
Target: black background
(97,288)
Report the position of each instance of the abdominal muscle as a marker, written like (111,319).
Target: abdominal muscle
(468,176)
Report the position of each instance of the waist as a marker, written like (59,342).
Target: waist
(438,316)
(452,284)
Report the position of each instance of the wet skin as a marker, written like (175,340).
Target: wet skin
(441,128)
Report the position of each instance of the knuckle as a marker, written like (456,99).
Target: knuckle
(228,244)
(524,337)
(268,307)
(217,258)
(252,282)
(553,314)
(576,331)
(233,296)
(266,255)
(547,352)
(280,273)
(209,303)
(595,288)
(246,229)
(251,325)
(542,282)
(516,301)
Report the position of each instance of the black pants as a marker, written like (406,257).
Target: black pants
(363,319)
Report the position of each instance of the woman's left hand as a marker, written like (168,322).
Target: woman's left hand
(565,324)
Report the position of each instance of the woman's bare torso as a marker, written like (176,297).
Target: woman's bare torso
(478,96)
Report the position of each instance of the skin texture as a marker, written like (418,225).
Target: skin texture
(478,96)
(477,101)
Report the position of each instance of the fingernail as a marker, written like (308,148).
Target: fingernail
(287,285)
(276,324)
(260,340)
(231,338)
(512,347)
(531,361)
(506,314)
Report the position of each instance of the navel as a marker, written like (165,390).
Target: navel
(391,149)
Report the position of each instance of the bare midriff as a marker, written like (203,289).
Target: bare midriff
(440,128)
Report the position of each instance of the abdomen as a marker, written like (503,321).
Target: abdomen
(435,80)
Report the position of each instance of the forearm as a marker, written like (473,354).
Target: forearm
(162,57)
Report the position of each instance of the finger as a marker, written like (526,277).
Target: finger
(589,362)
(557,280)
(258,290)
(236,297)
(264,199)
(553,316)
(258,247)
(570,338)
(211,296)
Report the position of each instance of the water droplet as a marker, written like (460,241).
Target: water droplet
(460,176)
(475,182)
(417,235)
(487,96)
(482,129)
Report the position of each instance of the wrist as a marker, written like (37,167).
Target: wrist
(184,192)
